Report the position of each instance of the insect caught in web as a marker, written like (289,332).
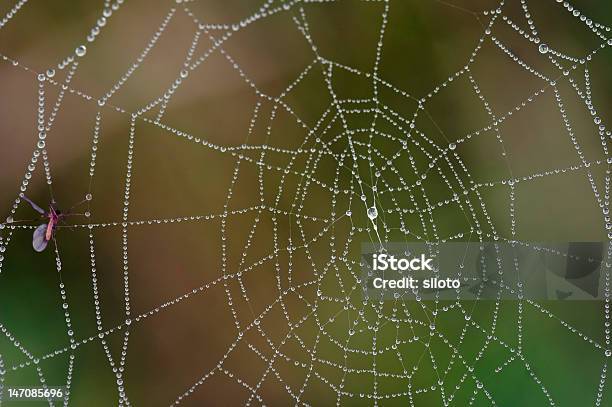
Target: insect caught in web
(53,217)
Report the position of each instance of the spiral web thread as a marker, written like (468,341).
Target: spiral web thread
(364,194)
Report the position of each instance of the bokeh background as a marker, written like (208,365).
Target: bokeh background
(424,43)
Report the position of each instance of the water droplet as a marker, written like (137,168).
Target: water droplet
(81,50)
(372,212)
(543,48)
(452,146)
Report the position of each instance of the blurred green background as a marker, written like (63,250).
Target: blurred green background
(307,333)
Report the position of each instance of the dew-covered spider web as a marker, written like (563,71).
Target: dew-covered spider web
(227,160)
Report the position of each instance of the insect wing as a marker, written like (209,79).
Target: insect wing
(33,205)
(38,238)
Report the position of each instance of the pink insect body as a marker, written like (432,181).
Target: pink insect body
(44,233)
(53,219)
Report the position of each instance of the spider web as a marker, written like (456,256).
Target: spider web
(361,171)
